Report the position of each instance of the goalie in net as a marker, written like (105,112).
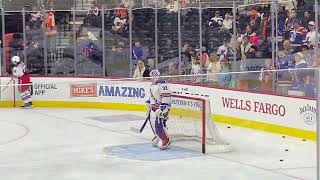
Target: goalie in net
(188,122)
(158,108)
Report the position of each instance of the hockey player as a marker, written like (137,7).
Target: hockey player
(19,73)
(159,106)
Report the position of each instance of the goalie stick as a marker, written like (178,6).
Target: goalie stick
(145,122)
(143,125)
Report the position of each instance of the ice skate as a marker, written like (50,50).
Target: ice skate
(27,105)
(165,145)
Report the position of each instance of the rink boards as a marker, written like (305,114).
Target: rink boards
(273,113)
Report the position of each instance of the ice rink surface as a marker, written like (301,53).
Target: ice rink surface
(90,144)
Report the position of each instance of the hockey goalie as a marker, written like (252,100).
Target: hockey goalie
(20,74)
(159,107)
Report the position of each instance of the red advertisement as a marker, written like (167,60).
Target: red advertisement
(83,90)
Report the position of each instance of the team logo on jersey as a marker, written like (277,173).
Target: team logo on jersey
(308,113)
(83,90)
(122,91)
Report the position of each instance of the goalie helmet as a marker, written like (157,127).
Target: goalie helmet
(154,74)
(15,60)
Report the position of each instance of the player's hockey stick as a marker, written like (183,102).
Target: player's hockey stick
(7,85)
(143,125)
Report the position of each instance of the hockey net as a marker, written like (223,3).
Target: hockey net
(190,120)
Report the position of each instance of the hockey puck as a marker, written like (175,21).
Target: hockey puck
(283,136)
(281,160)
(286,149)
(304,140)
(229,127)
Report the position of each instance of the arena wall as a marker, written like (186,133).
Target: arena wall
(272,113)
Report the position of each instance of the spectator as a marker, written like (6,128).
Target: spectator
(247,51)
(149,68)
(254,22)
(85,44)
(299,76)
(287,48)
(227,22)
(285,61)
(306,19)
(50,23)
(173,69)
(216,21)
(307,53)
(94,10)
(204,57)
(265,27)
(183,7)
(196,71)
(239,37)
(213,68)
(139,71)
(225,76)
(254,40)
(311,35)
(300,61)
(291,20)
(266,76)
(282,18)
(92,15)
(187,53)
(290,4)
(137,52)
(223,50)
(50,28)
(120,23)
(36,18)
(173,6)
(298,34)
(119,47)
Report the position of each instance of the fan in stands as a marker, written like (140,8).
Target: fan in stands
(19,73)
(159,106)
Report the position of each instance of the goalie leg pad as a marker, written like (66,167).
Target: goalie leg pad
(159,127)
(161,130)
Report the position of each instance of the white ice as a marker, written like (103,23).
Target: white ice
(70,144)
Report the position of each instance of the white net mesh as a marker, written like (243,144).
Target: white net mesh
(190,120)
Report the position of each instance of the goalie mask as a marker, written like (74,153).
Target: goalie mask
(15,60)
(154,75)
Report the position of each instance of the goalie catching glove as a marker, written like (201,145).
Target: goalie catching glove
(163,111)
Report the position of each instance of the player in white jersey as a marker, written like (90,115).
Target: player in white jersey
(19,72)
(159,106)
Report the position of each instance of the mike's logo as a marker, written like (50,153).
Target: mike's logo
(83,90)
